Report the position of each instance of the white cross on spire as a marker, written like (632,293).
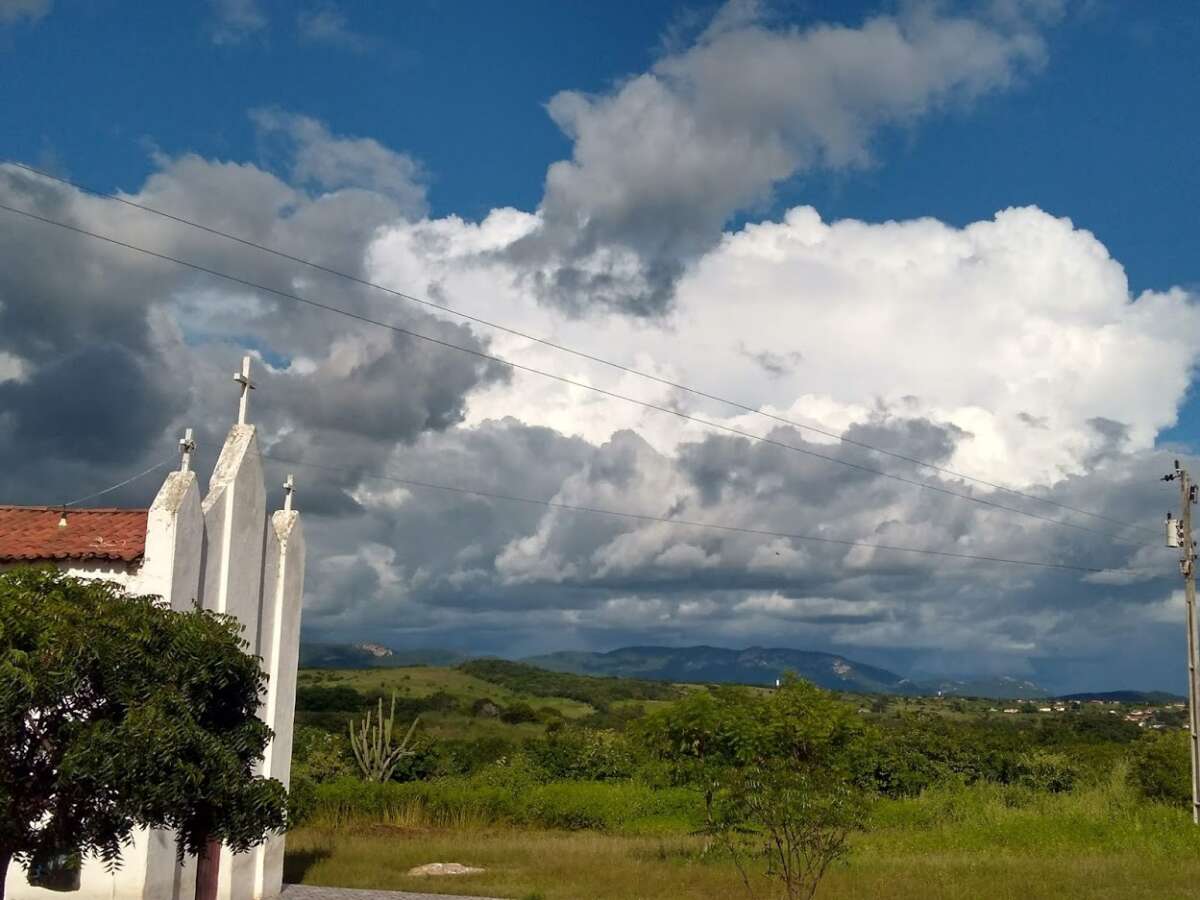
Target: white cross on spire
(186,445)
(243,378)
(289,488)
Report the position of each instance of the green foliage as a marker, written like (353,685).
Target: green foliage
(777,772)
(1161,767)
(793,820)
(582,754)
(117,712)
(315,699)
(915,752)
(372,742)
(614,718)
(462,757)
(519,712)
(597,691)
(1053,773)
(320,755)
(321,698)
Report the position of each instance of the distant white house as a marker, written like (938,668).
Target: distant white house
(225,552)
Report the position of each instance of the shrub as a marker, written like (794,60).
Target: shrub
(596,691)
(517,713)
(320,755)
(318,698)
(1043,771)
(582,754)
(1161,767)
(463,757)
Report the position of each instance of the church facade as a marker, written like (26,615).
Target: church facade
(226,552)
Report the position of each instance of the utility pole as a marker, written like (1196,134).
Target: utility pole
(1179,534)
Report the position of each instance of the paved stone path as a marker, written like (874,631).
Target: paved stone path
(311,892)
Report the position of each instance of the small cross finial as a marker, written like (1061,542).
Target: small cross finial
(243,378)
(186,445)
(289,488)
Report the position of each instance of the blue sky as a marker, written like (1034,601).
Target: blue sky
(389,139)
(1106,134)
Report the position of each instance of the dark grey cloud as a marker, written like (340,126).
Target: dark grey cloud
(114,352)
(489,576)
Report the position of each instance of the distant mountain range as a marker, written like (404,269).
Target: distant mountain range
(763,665)
(1006,687)
(754,665)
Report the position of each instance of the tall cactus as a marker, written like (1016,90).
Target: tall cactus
(372,744)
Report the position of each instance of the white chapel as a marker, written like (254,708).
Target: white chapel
(227,553)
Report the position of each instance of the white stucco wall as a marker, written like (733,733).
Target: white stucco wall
(235,520)
(174,559)
(283,588)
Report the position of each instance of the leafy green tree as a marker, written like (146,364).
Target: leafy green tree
(795,820)
(320,755)
(118,713)
(700,737)
(792,797)
(917,750)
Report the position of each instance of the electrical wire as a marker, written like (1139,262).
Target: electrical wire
(688,523)
(287,295)
(119,484)
(566,349)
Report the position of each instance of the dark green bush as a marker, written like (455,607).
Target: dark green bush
(516,713)
(1050,772)
(1161,767)
(465,757)
(318,698)
(596,691)
(582,754)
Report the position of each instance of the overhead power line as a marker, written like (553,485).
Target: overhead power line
(582,354)
(687,523)
(316,304)
(119,484)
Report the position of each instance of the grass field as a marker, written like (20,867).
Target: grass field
(952,844)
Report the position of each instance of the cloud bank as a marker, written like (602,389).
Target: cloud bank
(1010,348)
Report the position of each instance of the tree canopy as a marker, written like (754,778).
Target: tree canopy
(118,713)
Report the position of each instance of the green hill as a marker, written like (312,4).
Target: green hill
(755,665)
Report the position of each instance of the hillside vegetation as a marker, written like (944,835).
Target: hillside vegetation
(565,786)
(598,692)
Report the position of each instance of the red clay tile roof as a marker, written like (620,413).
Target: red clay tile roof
(30,533)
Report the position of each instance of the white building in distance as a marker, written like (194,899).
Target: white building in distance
(228,554)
